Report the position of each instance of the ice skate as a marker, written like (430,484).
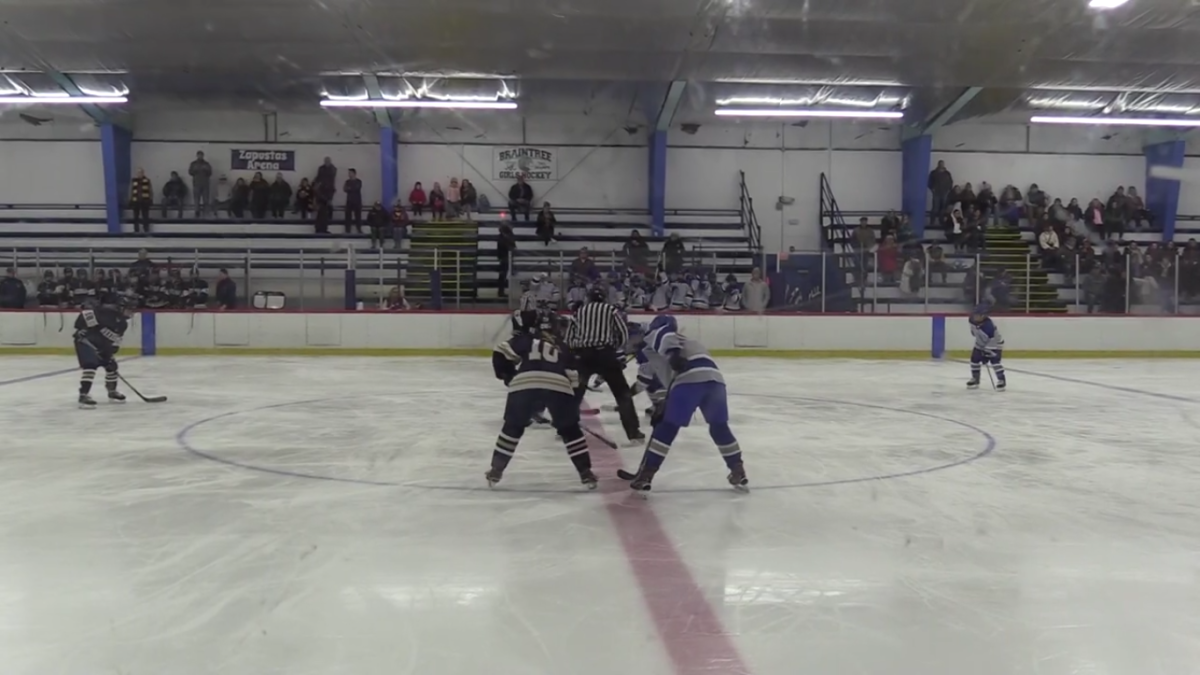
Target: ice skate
(641,482)
(493,476)
(973,383)
(86,402)
(636,439)
(737,478)
(588,479)
(116,396)
(1001,385)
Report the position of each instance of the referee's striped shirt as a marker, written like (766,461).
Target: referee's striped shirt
(597,324)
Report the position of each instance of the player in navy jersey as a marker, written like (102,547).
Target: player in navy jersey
(540,374)
(98,334)
(692,382)
(989,348)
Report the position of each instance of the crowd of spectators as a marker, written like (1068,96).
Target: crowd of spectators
(150,285)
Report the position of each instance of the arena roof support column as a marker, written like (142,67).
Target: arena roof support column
(657,157)
(389,169)
(116,144)
(68,85)
(375,93)
(916,157)
(1162,194)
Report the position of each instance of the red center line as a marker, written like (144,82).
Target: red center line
(696,640)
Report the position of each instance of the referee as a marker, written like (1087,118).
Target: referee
(597,337)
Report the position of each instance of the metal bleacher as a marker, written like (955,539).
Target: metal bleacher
(286,255)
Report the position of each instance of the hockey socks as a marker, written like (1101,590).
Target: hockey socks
(85,382)
(731,452)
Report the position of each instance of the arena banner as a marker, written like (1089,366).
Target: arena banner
(532,162)
(262,160)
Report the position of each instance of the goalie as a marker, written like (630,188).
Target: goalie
(98,334)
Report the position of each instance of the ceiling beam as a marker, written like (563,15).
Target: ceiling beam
(68,85)
(382,115)
(943,117)
(666,112)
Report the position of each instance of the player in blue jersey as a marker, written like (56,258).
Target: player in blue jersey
(692,382)
(989,348)
(540,375)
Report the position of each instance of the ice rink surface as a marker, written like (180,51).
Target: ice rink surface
(329,516)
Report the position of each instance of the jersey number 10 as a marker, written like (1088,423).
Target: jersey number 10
(543,351)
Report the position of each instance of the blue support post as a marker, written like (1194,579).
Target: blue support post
(116,146)
(149,333)
(916,157)
(658,183)
(389,170)
(350,290)
(1162,194)
(937,347)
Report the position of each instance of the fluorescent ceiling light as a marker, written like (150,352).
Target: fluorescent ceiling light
(809,112)
(1106,4)
(1116,121)
(385,103)
(62,100)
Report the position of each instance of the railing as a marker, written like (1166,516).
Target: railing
(749,218)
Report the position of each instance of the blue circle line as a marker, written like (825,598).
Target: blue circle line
(181,439)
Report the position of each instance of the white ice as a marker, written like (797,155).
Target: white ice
(1072,547)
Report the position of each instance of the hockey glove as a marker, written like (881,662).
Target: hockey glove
(677,360)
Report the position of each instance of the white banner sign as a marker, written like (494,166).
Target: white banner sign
(532,162)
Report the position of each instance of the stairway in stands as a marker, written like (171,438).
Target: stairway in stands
(451,247)
(1007,250)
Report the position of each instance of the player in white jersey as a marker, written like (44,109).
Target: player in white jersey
(989,349)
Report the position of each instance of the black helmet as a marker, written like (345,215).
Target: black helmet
(597,294)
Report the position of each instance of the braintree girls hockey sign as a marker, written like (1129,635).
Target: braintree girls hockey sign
(533,163)
(262,160)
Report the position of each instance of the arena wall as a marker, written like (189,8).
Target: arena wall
(452,333)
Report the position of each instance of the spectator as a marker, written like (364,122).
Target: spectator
(417,199)
(1075,210)
(400,224)
(154,291)
(940,184)
(888,260)
(377,221)
(1094,217)
(889,226)
(912,276)
(240,199)
(1048,246)
(904,231)
(141,197)
(1139,216)
(47,290)
(756,294)
(1189,269)
(12,291)
(985,202)
(260,196)
(864,236)
(324,206)
(222,195)
(1113,301)
(1116,211)
(197,291)
(470,198)
(1112,257)
(227,288)
(584,267)
(281,196)
(937,261)
(142,266)
(304,198)
(1012,205)
(326,178)
(956,229)
(1037,201)
(967,199)
(970,286)
(672,254)
(396,301)
(453,198)
(354,203)
(1093,288)
(437,202)
(505,245)
(1141,276)
(636,252)
(1001,291)
(201,172)
(520,198)
(174,194)
(545,224)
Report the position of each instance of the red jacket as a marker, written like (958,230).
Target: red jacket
(417,196)
(888,259)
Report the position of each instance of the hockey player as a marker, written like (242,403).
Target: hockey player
(98,334)
(47,291)
(989,347)
(693,383)
(539,373)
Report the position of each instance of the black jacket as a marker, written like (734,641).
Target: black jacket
(520,191)
(12,293)
(227,294)
(281,193)
(353,190)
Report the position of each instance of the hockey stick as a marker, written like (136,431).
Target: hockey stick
(147,399)
(607,441)
(988,368)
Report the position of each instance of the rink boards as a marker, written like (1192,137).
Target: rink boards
(460,333)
